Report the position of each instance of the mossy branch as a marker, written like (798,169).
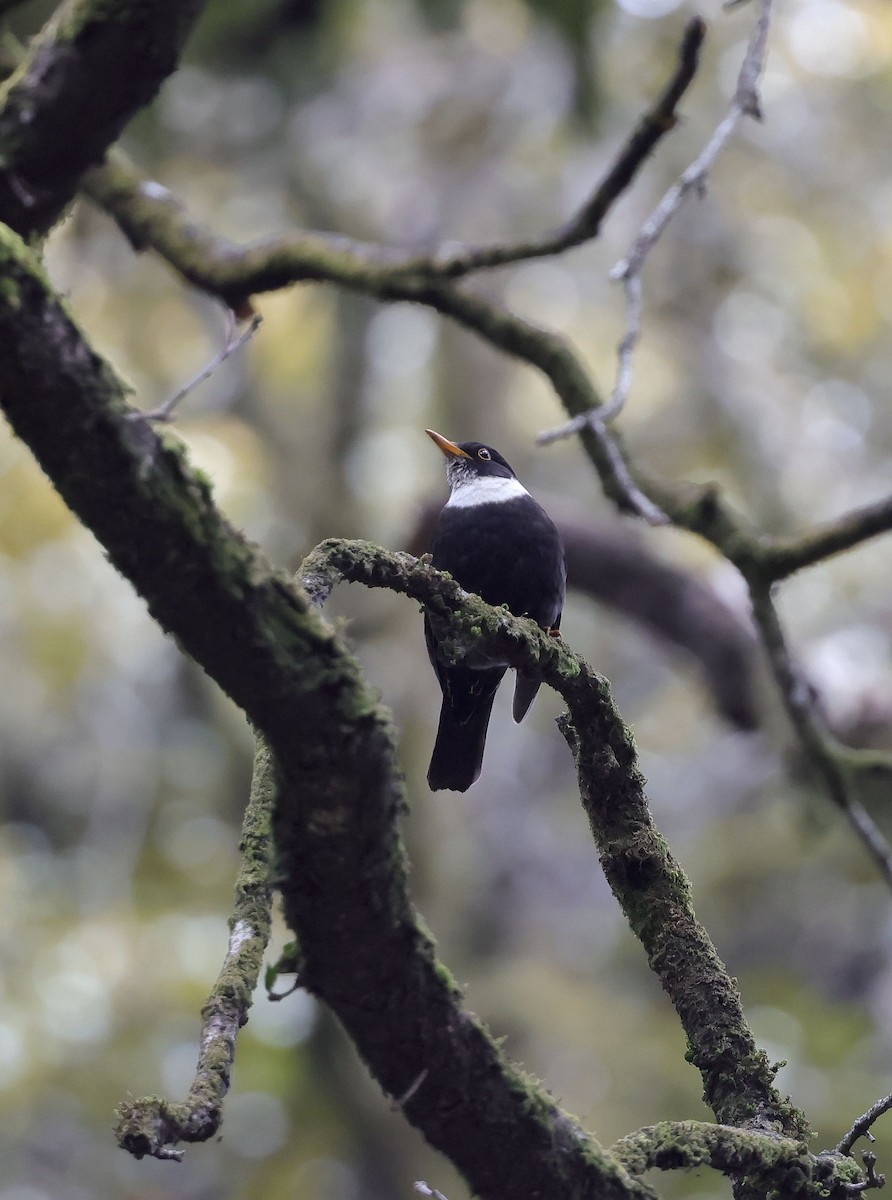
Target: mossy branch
(94,64)
(763,1163)
(647,881)
(154,1126)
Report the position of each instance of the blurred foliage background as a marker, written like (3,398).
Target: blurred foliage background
(765,366)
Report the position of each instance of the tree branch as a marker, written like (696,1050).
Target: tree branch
(861,1127)
(152,1125)
(771,1165)
(782,557)
(110,187)
(610,564)
(84,76)
(839,766)
(744,104)
(152,216)
(339,793)
(648,883)
(338,788)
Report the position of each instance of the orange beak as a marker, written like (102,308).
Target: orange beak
(449,448)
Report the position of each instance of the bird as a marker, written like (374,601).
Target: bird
(495,540)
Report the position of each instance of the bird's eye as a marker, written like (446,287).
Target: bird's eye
(484,454)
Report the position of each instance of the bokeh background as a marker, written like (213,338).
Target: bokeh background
(765,366)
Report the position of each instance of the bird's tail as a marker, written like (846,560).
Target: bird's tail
(458,750)
(525,689)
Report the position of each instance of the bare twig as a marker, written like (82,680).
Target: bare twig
(586,223)
(596,420)
(861,1127)
(745,103)
(425,1189)
(234,340)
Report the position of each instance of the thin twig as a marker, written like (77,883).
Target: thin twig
(861,1127)
(596,420)
(600,417)
(586,223)
(425,1189)
(744,104)
(234,340)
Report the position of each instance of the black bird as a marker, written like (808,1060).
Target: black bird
(493,539)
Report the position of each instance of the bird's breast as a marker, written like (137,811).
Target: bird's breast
(507,552)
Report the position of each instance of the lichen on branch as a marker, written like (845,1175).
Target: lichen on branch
(154,1126)
(646,880)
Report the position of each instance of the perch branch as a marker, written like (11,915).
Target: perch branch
(609,563)
(152,1125)
(648,883)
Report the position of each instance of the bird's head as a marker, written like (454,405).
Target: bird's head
(467,461)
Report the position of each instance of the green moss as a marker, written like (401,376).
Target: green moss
(17,255)
(10,296)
